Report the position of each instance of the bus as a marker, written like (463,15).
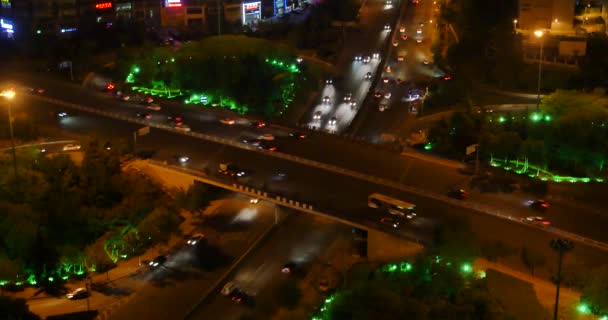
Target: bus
(393,206)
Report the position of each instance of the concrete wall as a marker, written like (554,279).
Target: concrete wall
(385,247)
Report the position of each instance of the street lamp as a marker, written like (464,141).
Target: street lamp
(515,25)
(539,34)
(561,246)
(9,95)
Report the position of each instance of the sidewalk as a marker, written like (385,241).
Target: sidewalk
(545,290)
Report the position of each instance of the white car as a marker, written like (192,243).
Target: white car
(228,121)
(358,58)
(368,76)
(254,200)
(183,127)
(402,29)
(333,121)
(317,115)
(419,31)
(376,56)
(77,294)
(395,43)
(348,97)
(62,114)
(183,159)
(366,59)
(387,95)
(195,238)
(329,81)
(154,107)
(266,136)
(71,147)
(418,40)
(387,27)
(326,100)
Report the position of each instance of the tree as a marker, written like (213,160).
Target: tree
(532,259)
(159,225)
(15,309)
(595,292)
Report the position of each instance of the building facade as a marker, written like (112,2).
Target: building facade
(557,15)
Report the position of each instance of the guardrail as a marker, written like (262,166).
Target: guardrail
(335,169)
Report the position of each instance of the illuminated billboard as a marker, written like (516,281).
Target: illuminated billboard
(103,5)
(251,12)
(173,3)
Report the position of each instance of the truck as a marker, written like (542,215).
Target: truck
(231,170)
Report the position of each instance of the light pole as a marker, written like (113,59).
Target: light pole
(539,34)
(9,95)
(561,246)
(515,25)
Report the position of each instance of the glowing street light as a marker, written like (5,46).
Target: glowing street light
(515,24)
(9,95)
(539,34)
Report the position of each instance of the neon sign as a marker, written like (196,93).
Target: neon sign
(251,8)
(6,25)
(103,5)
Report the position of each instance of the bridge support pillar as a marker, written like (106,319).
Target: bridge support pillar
(386,247)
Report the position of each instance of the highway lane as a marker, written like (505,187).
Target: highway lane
(302,240)
(409,66)
(336,193)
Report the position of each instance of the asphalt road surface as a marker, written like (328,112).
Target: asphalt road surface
(301,240)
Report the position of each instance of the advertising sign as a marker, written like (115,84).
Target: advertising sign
(252,12)
(173,3)
(252,7)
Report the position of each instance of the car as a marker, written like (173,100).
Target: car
(62,114)
(243,297)
(421,24)
(395,43)
(228,121)
(389,2)
(404,36)
(425,62)
(377,94)
(329,81)
(348,97)
(540,205)
(196,238)
(71,147)
(459,194)
(366,59)
(326,100)
(259,124)
(77,294)
(253,142)
(387,95)
(123,97)
(254,200)
(541,221)
(288,268)
(333,121)
(390,221)
(268,147)
(388,69)
(368,76)
(323,284)
(266,136)
(183,159)
(386,80)
(387,27)
(353,103)
(376,55)
(399,81)
(400,58)
(447,78)
(231,170)
(143,115)
(297,135)
(419,31)
(317,115)
(382,107)
(402,29)
(158,261)
(154,107)
(228,288)
(175,118)
(358,58)
(418,40)
(182,127)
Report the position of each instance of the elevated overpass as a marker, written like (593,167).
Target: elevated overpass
(176,177)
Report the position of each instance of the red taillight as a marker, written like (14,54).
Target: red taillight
(546,205)
(272,149)
(447,78)
(546,223)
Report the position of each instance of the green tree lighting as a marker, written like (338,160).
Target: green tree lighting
(583,308)
(466,268)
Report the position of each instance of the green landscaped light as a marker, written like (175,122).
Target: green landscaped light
(437,259)
(3,283)
(599,180)
(428,146)
(466,268)
(51,279)
(536,117)
(405,267)
(65,278)
(603,318)
(19,283)
(502,119)
(547,118)
(481,274)
(583,308)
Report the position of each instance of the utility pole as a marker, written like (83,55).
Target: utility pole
(561,246)
(219,21)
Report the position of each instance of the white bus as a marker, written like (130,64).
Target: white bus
(391,205)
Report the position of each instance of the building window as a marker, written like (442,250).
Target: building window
(194,10)
(6,3)
(123,6)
